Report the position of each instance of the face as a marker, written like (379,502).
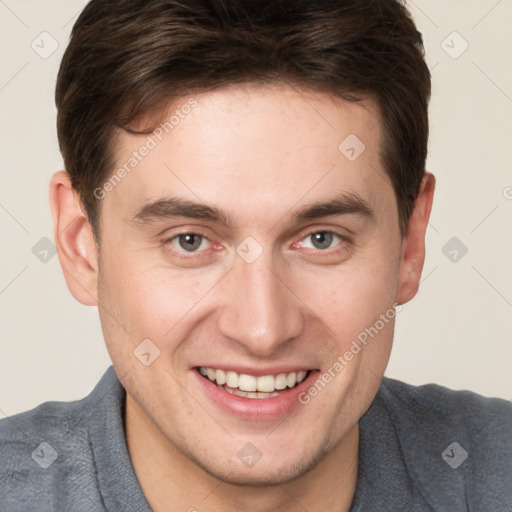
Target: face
(248,245)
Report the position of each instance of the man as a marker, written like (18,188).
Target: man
(245,200)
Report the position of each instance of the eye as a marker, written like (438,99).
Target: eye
(188,242)
(322,239)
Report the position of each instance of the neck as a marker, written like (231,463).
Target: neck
(171,481)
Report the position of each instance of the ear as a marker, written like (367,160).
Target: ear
(74,239)
(413,244)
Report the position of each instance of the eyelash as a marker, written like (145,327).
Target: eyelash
(192,254)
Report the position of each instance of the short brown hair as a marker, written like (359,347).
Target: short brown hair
(129,59)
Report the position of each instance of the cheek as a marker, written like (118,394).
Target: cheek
(153,299)
(349,302)
(352,295)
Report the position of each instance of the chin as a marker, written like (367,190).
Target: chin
(263,473)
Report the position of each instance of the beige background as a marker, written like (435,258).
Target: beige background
(456,332)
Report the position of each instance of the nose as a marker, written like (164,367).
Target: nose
(260,309)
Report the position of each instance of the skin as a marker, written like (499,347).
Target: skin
(260,153)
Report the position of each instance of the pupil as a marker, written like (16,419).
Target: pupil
(322,240)
(187,242)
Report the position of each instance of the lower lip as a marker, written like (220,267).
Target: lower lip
(256,408)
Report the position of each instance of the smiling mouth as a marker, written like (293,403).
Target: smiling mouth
(250,386)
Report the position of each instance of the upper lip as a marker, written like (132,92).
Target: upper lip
(256,371)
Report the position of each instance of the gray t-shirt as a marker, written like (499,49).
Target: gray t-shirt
(421,449)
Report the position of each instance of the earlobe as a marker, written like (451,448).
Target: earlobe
(413,245)
(74,239)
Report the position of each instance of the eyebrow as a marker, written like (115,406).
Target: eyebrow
(172,207)
(342,204)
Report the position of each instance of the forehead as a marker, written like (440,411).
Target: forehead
(253,147)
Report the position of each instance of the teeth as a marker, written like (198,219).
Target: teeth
(281,381)
(231,379)
(220,377)
(250,386)
(247,382)
(265,383)
(245,394)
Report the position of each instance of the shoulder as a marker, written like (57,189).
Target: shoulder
(58,421)
(456,444)
(468,412)
(48,448)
